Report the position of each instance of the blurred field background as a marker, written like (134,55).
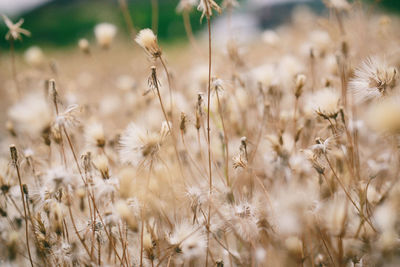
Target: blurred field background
(60,23)
(57,25)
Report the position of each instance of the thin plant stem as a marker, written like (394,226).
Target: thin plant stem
(169,86)
(155,82)
(225,140)
(14,158)
(154,15)
(347,193)
(208,132)
(141,242)
(188,30)
(13,67)
(127,17)
(76,229)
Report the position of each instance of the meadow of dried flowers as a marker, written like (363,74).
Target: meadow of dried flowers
(279,151)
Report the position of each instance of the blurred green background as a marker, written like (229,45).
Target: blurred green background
(64,22)
(61,23)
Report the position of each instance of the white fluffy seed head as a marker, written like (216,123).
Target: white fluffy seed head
(126,214)
(31,114)
(325,101)
(84,45)
(34,56)
(372,80)
(148,41)
(101,164)
(137,145)
(191,241)
(105,33)
(94,134)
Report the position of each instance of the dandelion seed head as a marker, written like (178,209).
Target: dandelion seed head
(31,114)
(324,101)
(15,31)
(105,33)
(84,45)
(148,41)
(34,56)
(94,134)
(192,242)
(67,118)
(137,145)
(372,80)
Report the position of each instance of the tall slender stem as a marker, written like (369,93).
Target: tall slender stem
(13,67)
(208,133)
(14,157)
(127,17)
(155,83)
(225,140)
(169,86)
(154,15)
(188,29)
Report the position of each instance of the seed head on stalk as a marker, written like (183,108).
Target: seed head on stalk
(15,31)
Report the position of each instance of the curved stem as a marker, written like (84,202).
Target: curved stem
(127,17)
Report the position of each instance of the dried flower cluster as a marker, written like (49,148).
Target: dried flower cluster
(104,166)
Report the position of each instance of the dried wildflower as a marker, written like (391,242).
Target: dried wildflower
(83,45)
(186,5)
(244,221)
(94,134)
(148,41)
(191,242)
(322,146)
(15,30)
(105,33)
(34,56)
(68,117)
(217,85)
(183,122)
(58,177)
(239,162)
(138,145)
(325,103)
(299,84)
(31,114)
(373,79)
(101,164)
(206,7)
(127,215)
